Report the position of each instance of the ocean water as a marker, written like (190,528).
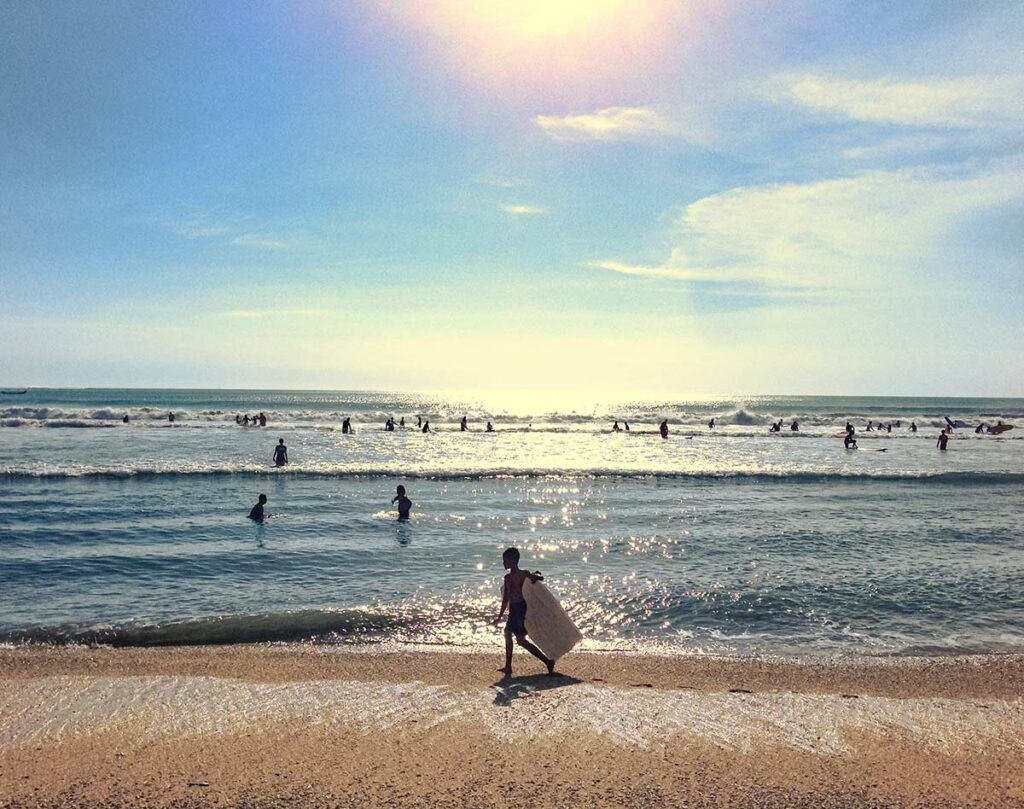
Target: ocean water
(723,541)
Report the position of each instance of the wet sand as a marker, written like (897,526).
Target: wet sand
(309,726)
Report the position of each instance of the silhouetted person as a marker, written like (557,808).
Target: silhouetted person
(869,428)
(256,514)
(346,425)
(263,419)
(462,425)
(616,428)
(419,421)
(280,453)
(850,442)
(512,599)
(170,417)
(888,428)
(943,440)
(125,419)
(490,427)
(794,426)
(949,423)
(913,426)
(980,428)
(404,503)
(401,421)
(663,429)
(711,424)
(426,426)
(626,425)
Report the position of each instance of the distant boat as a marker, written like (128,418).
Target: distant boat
(14,392)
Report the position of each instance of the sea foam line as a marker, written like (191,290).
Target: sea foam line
(63,708)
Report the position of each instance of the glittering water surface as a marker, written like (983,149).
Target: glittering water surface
(731,540)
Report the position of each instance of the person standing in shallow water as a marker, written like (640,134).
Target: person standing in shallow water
(404,503)
(663,429)
(256,514)
(280,453)
(943,440)
(512,599)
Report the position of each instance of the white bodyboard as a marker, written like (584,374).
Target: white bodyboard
(547,624)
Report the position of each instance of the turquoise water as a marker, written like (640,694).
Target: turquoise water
(731,540)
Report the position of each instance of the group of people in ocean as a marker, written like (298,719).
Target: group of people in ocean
(259,420)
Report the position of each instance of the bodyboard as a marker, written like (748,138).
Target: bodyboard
(999,428)
(547,623)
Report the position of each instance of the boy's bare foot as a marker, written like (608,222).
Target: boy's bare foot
(550,664)
(506,672)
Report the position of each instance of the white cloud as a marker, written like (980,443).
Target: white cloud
(609,124)
(259,242)
(845,233)
(522,210)
(968,102)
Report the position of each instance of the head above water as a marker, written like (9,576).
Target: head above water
(263,498)
(510,558)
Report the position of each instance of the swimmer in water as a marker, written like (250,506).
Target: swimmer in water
(794,426)
(256,514)
(711,424)
(462,425)
(426,427)
(913,426)
(616,428)
(280,453)
(943,440)
(663,429)
(404,503)
(490,427)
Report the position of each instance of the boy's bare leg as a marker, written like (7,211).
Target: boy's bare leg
(522,641)
(508,653)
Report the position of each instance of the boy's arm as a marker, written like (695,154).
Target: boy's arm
(504,601)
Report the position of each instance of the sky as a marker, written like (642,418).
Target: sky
(627,198)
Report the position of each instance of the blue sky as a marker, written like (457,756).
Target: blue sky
(627,199)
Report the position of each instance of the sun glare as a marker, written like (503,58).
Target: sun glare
(535,19)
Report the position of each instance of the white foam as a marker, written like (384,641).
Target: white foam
(52,709)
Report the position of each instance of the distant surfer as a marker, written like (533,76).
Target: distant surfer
(490,427)
(263,419)
(949,424)
(850,442)
(663,429)
(616,428)
(256,514)
(711,424)
(346,425)
(280,453)
(913,426)
(462,425)
(980,428)
(943,440)
(404,503)
(625,424)
(401,421)
(170,417)
(419,421)
(426,427)
(512,599)
(125,419)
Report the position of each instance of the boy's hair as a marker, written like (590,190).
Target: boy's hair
(511,553)
(401,490)
(263,498)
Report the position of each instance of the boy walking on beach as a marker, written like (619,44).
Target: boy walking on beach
(512,598)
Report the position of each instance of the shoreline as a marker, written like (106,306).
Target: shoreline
(318,726)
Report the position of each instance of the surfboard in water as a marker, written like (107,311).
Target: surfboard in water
(999,428)
(547,624)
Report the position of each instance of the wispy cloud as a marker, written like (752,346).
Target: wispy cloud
(274,313)
(523,210)
(844,233)
(259,242)
(968,102)
(609,124)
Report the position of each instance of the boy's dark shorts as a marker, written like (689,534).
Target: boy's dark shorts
(517,618)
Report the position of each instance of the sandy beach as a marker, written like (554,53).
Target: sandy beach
(315,726)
